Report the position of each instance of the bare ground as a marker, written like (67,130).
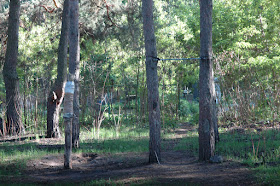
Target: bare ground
(176,168)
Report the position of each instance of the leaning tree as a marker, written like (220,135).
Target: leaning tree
(57,93)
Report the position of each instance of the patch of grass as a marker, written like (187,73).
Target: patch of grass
(190,143)
(19,184)
(111,133)
(110,182)
(14,157)
(268,175)
(113,146)
(102,182)
(259,151)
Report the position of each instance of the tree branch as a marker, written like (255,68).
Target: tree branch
(107,7)
(49,9)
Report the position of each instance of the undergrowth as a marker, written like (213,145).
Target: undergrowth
(260,151)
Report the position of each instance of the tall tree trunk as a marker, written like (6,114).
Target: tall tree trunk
(207,105)
(14,123)
(152,81)
(74,67)
(57,93)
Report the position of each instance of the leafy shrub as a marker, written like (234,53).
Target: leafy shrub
(190,110)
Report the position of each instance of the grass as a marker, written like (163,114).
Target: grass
(190,143)
(114,146)
(269,175)
(259,151)
(111,133)
(13,156)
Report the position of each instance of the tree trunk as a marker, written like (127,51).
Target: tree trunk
(152,81)
(74,67)
(57,93)
(68,116)
(207,105)
(162,101)
(36,104)
(13,113)
(24,97)
(136,94)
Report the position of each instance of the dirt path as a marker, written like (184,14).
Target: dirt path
(176,168)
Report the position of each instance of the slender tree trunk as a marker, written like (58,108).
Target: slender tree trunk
(162,100)
(136,94)
(13,113)
(207,105)
(178,99)
(142,96)
(152,81)
(68,116)
(36,104)
(84,95)
(74,67)
(24,97)
(57,93)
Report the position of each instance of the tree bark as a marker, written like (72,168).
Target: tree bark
(13,113)
(57,93)
(152,81)
(68,116)
(74,67)
(207,95)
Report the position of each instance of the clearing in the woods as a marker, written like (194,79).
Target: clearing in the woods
(179,166)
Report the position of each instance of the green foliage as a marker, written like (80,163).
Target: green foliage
(189,110)
(246,50)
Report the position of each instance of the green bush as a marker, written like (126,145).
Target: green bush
(190,110)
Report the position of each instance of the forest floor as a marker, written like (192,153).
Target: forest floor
(176,168)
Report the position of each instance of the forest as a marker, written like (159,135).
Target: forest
(140,92)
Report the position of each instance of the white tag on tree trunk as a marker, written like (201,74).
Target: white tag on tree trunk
(70,87)
(68,99)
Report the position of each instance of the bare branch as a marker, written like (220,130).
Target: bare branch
(47,8)
(107,7)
